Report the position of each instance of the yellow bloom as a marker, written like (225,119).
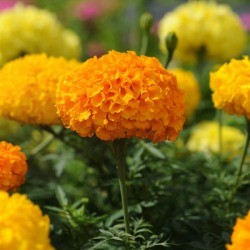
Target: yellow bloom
(28,86)
(28,30)
(231,87)
(241,234)
(121,95)
(205,138)
(202,24)
(187,81)
(22,224)
(13,167)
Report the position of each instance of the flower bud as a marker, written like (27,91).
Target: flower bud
(146,21)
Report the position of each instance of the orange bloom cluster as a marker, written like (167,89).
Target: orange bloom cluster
(28,88)
(241,234)
(13,166)
(122,95)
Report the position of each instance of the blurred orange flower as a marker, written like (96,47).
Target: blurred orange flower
(122,95)
(13,166)
(241,234)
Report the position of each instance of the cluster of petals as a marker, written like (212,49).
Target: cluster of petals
(22,224)
(231,87)
(241,234)
(28,30)
(205,139)
(28,88)
(189,84)
(13,166)
(122,95)
(203,27)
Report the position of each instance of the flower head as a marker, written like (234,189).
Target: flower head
(221,34)
(22,224)
(241,234)
(27,88)
(187,81)
(13,167)
(28,30)
(231,87)
(205,138)
(121,95)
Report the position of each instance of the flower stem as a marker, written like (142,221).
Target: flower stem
(144,43)
(119,153)
(239,172)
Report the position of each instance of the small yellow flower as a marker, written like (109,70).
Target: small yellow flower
(205,138)
(28,88)
(221,34)
(13,167)
(121,95)
(231,87)
(187,81)
(241,234)
(22,224)
(29,30)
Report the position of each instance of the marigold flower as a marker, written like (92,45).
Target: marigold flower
(121,95)
(241,234)
(205,138)
(231,87)
(22,224)
(29,30)
(189,84)
(222,34)
(28,88)
(13,167)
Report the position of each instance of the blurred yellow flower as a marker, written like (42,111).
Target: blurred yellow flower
(241,234)
(28,88)
(187,81)
(205,138)
(203,25)
(122,95)
(28,30)
(231,87)
(13,167)
(22,224)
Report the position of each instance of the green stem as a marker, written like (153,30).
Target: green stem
(169,58)
(119,153)
(144,44)
(240,169)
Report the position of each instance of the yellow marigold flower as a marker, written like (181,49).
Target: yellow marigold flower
(28,88)
(29,30)
(121,95)
(13,167)
(22,224)
(222,34)
(231,87)
(188,82)
(205,138)
(241,234)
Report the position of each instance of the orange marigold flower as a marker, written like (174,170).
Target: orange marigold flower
(122,95)
(231,87)
(28,87)
(22,224)
(241,234)
(13,166)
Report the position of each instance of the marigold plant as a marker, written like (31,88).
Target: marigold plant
(22,224)
(205,138)
(13,166)
(188,82)
(221,35)
(231,87)
(241,234)
(28,29)
(122,95)
(28,88)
